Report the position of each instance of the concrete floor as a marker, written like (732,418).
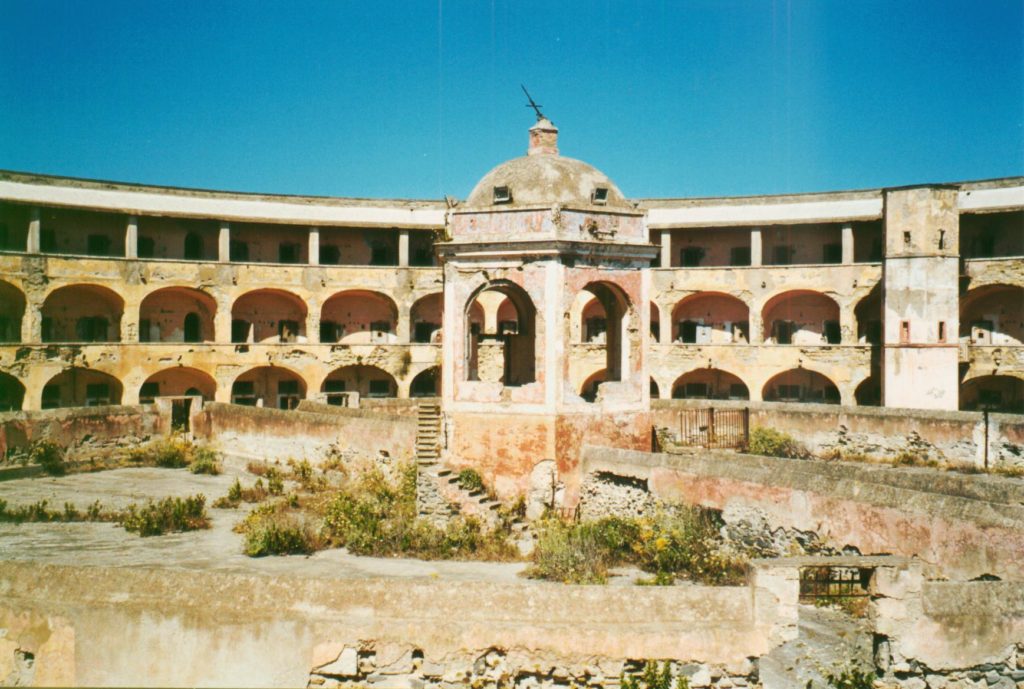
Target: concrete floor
(215,549)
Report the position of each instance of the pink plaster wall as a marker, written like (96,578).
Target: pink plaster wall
(264,309)
(356,310)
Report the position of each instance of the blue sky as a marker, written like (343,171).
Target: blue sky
(420,99)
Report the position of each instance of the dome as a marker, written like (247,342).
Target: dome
(544,178)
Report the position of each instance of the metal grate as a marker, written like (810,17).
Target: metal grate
(714,428)
(819,583)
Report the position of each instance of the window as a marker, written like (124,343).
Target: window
(423,332)
(596,329)
(92,329)
(832,253)
(787,392)
(783,332)
(942,240)
(243,392)
(288,253)
(942,331)
(98,245)
(739,256)
(508,328)
(239,250)
(380,255)
(502,195)
(330,332)
(379,388)
(287,331)
(696,390)
(981,332)
(831,395)
(990,399)
(379,331)
(833,334)
(145,334)
(904,332)
(51,397)
(47,329)
(191,327)
(330,255)
(691,256)
(737,391)
(600,196)
(97,394)
(688,332)
(876,250)
(288,394)
(193,247)
(148,392)
(47,240)
(782,255)
(331,390)
(906,240)
(239,330)
(146,247)
(422,256)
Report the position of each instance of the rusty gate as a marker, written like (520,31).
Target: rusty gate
(826,582)
(714,428)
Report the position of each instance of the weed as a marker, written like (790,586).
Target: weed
(259,468)
(49,455)
(1009,470)
(470,479)
(169,514)
(271,530)
(849,678)
(651,677)
(204,461)
(275,484)
(768,441)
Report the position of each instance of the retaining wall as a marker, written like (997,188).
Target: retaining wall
(83,430)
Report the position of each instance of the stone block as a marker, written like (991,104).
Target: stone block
(345,665)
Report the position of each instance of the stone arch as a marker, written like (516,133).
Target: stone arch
(12,311)
(82,313)
(998,393)
(359,317)
(868,314)
(12,393)
(993,315)
(508,358)
(655,390)
(801,317)
(177,381)
(801,385)
(268,315)
(710,318)
(710,383)
(869,392)
(177,314)
(368,381)
(81,387)
(617,313)
(427,383)
(425,318)
(589,389)
(268,386)
(655,323)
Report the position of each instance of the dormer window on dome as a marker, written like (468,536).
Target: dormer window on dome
(502,194)
(599,197)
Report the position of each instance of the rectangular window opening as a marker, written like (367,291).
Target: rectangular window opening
(502,195)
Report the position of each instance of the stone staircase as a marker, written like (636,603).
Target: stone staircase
(428,434)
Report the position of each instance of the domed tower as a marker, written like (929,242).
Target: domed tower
(545,317)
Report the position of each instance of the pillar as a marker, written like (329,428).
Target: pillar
(666,249)
(313,321)
(403,248)
(131,238)
(756,327)
(847,244)
(222,320)
(847,323)
(756,255)
(665,325)
(130,322)
(34,244)
(403,328)
(224,242)
(32,322)
(314,246)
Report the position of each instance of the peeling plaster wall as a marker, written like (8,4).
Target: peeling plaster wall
(82,429)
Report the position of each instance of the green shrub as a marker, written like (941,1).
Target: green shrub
(571,554)
(470,479)
(848,678)
(768,441)
(270,530)
(167,515)
(232,499)
(49,455)
(170,453)
(204,461)
(275,484)
(653,678)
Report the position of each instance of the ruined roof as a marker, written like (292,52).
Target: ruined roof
(544,180)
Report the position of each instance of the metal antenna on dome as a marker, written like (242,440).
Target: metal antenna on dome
(532,104)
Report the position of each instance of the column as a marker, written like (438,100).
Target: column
(666,249)
(756,256)
(224,242)
(222,320)
(403,248)
(313,322)
(403,328)
(32,322)
(131,238)
(130,322)
(847,244)
(34,243)
(665,324)
(847,323)
(756,327)
(314,246)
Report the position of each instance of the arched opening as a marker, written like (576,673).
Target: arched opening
(594,322)
(359,317)
(868,313)
(12,310)
(174,382)
(193,250)
(177,314)
(801,385)
(993,393)
(801,317)
(590,386)
(268,386)
(507,354)
(711,318)
(81,387)
(993,315)
(426,317)
(710,384)
(82,313)
(614,304)
(655,323)
(869,392)
(268,315)
(368,381)
(655,392)
(12,393)
(426,383)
